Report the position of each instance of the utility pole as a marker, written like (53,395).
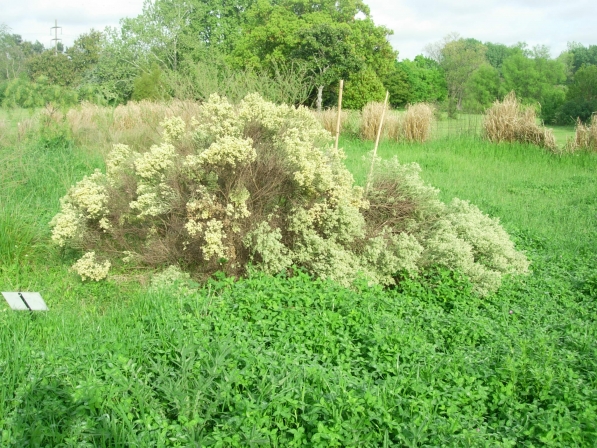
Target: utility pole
(55,40)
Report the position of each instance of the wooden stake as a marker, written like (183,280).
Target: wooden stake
(383,114)
(339,113)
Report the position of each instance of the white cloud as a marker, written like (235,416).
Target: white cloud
(548,22)
(33,19)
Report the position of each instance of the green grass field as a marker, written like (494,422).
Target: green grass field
(276,361)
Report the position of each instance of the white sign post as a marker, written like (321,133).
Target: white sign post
(25,301)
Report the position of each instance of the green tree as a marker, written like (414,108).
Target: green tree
(459,58)
(482,88)
(216,24)
(399,86)
(12,57)
(584,86)
(582,55)
(149,86)
(121,60)
(497,53)
(85,51)
(57,68)
(361,88)
(328,54)
(427,80)
(581,98)
(533,79)
(324,34)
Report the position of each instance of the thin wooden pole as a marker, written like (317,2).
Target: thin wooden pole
(339,113)
(383,115)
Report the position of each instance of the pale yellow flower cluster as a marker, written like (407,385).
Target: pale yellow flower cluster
(217,118)
(226,151)
(118,159)
(467,240)
(152,164)
(174,129)
(90,195)
(67,224)
(153,200)
(89,268)
(214,246)
(266,242)
(85,201)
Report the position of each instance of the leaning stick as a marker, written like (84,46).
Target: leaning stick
(383,114)
(339,113)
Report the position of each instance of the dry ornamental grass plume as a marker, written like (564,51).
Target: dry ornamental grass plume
(417,122)
(328,119)
(413,126)
(508,121)
(370,119)
(262,185)
(586,135)
(394,125)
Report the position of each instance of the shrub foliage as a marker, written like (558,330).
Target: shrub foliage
(259,184)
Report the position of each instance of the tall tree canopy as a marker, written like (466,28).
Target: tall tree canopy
(333,38)
(459,58)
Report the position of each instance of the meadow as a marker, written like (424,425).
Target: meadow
(295,361)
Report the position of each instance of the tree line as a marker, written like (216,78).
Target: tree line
(293,51)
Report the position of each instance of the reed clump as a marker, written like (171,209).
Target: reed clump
(416,126)
(329,118)
(586,135)
(509,121)
(394,124)
(370,120)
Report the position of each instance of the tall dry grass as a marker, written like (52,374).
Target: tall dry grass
(415,125)
(509,121)
(329,117)
(417,122)
(136,124)
(586,135)
(370,120)
(394,125)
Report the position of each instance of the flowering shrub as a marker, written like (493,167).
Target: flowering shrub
(89,268)
(259,184)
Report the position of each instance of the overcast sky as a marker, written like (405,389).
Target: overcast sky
(415,23)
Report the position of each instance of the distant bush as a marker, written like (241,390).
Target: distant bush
(149,86)
(574,110)
(509,121)
(258,184)
(551,105)
(285,83)
(581,98)
(362,88)
(21,92)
